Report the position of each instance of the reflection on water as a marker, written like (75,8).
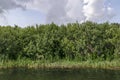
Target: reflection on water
(81,74)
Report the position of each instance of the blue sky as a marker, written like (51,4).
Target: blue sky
(25,17)
(38,11)
(116,5)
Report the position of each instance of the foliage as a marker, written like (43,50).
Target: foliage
(51,42)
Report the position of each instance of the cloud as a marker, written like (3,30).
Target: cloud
(57,12)
(6,5)
(64,11)
(40,5)
(75,12)
(96,10)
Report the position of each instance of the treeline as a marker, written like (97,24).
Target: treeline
(72,41)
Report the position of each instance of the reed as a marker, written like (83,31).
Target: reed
(61,64)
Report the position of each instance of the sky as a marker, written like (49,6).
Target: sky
(31,12)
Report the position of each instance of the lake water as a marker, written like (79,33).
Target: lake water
(81,74)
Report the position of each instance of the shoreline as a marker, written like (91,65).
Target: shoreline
(29,64)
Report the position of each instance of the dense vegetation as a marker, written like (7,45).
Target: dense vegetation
(52,42)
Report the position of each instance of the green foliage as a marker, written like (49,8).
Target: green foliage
(51,42)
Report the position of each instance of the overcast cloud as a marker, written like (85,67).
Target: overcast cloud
(63,11)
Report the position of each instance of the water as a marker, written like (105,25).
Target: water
(81,74)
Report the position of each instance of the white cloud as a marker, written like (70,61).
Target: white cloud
(63,11)
(6,5)
(75,10)
(40,5)
(96,10)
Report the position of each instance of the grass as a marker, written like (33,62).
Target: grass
(61,64)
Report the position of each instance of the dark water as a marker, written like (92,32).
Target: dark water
(81,74)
